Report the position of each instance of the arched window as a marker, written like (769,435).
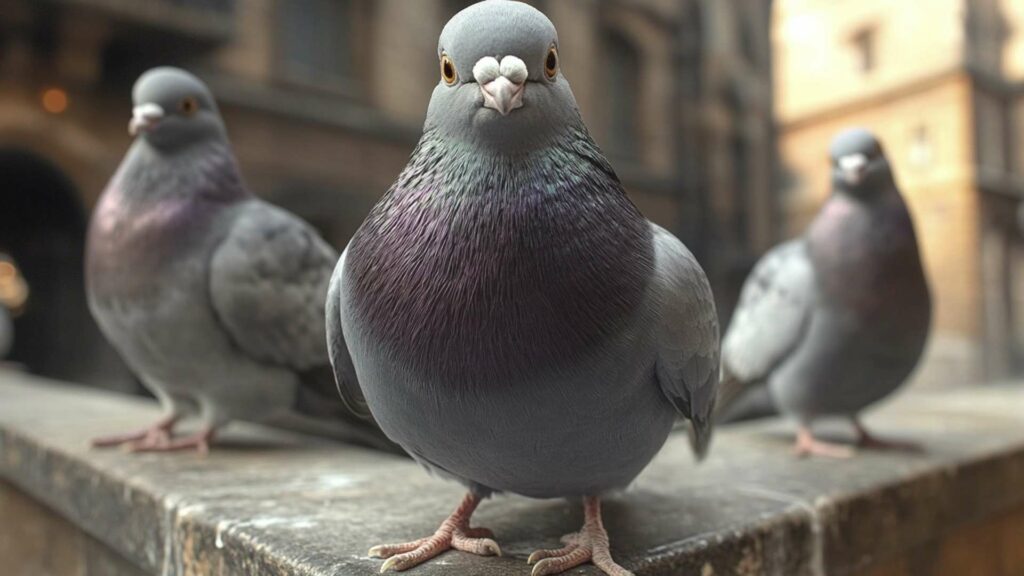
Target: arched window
(42,229)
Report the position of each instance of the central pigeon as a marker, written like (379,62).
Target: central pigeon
(836,320)
(506,313)
(213,297)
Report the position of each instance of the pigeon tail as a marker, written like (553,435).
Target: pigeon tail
(700,436)
(739,401)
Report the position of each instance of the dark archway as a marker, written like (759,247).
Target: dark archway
(42,226)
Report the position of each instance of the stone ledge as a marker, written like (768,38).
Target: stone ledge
(272,503)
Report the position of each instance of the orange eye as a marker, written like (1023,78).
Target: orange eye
(448,72)
(188,105)
(551,63)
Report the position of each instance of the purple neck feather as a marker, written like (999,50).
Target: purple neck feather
(484,267)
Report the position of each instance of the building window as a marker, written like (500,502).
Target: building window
(920,146)
(314,42)
(863,43)
(623,85)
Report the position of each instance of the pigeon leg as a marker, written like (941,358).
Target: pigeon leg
(808,445)
(589,544)
(200,442)
(454,533)
(160,432)
(867,440)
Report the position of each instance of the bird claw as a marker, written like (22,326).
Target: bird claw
(406,555)
(590,544)
(807,445)
(200,442)
(161,431)
(581,547)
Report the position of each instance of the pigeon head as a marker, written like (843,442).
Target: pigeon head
(859,164)
(173,109)
(501,85)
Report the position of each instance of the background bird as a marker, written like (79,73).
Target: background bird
(836,320)
(505,312)
(214,298)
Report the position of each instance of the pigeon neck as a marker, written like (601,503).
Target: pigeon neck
(446,168)
(206,171)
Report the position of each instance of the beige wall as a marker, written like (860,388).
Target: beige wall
(816,63)
(938,185)
(1013,50)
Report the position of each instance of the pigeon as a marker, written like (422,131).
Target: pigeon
(214,298)
(836,320)
(505,312)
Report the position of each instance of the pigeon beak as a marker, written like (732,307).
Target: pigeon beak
(852,168)
(503,95)
(144,118)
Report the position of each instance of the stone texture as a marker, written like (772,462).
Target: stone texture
(36,542)
(271,503)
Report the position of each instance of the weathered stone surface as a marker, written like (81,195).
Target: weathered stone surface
(36,542)
(271,503)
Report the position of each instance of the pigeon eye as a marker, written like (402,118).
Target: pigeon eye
(188,105)
(551,63)
(448,72)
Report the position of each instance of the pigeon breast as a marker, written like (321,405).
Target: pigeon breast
(477,268)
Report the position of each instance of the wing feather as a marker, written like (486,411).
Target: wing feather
(769,321)
(268,283)
(688,355)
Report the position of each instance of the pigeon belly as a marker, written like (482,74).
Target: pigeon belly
(511,355)
(147,288)
(869,329)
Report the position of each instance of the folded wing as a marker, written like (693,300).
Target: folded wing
(688,346)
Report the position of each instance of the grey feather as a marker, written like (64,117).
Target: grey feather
(768,323)
(688,357)
(512,320)
(836,320)
(268,279)
(213,297)
(344,370)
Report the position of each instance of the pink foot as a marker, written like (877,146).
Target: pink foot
(454,533)
(157,433)
(200,442)
(808,445)
(867,440)
(590,544)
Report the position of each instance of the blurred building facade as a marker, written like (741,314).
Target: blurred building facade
(942,83)
(324,100)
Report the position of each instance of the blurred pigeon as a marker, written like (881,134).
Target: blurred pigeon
(6,332)
(214,298)
(506,313)
(837,319)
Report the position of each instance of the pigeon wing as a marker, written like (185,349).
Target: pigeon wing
(770,320)
(688,346)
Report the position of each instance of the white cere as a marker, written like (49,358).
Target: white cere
(486,70)
(514,69)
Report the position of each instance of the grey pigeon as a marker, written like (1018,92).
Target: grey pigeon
(836,320)
(214,298)
(506,313)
